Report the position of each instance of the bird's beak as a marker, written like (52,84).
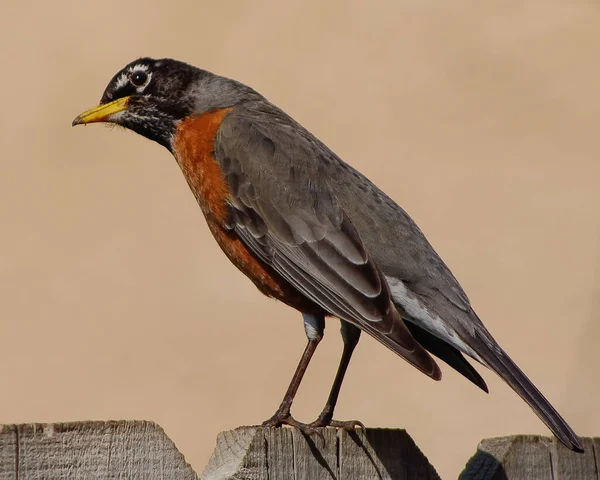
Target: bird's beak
(102,113)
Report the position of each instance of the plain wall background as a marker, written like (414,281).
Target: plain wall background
(481,119)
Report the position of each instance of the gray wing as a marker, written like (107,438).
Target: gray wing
(285,212)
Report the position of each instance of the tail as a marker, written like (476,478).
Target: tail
(497,360)
(446,352)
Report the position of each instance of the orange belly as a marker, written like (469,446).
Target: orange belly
(193,146)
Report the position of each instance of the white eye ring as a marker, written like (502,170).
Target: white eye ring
(139,78)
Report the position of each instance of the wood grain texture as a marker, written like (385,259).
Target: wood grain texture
(533,458)
(283,453)
(90,451)
(141,450)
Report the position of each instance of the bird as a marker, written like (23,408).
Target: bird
(310,231)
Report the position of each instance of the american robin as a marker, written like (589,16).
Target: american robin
(310,230)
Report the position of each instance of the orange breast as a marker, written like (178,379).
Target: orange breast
(193,148)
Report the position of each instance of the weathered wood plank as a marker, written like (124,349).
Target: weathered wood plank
(237,450)
(315,459)
(532,458)
(90,451)
(384,454)
(529,458)
(141,450)
(279,452)
(568,464)
(596,443)
(8,452)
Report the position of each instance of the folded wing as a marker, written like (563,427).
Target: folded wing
(283,210)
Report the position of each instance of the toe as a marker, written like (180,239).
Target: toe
(346,425)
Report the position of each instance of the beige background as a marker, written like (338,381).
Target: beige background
(482,121)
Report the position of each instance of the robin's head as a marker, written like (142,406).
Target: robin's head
(152,96)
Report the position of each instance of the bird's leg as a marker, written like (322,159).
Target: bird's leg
(314,326)
(350,336)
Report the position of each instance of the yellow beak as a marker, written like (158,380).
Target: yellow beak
(102,113)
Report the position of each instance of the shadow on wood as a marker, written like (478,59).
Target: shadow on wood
(532,457)
(282,453)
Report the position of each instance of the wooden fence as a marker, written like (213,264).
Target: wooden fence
(136,450)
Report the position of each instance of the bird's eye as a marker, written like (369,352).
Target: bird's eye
(138,78)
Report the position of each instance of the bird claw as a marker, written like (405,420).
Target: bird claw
(280,419)
(343,425)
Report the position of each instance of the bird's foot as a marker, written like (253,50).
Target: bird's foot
(325,420)
(343,425)
(285,418)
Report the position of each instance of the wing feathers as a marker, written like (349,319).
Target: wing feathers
(298,228)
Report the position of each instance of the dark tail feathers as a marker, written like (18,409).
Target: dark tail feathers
(500,362)
(446,352)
